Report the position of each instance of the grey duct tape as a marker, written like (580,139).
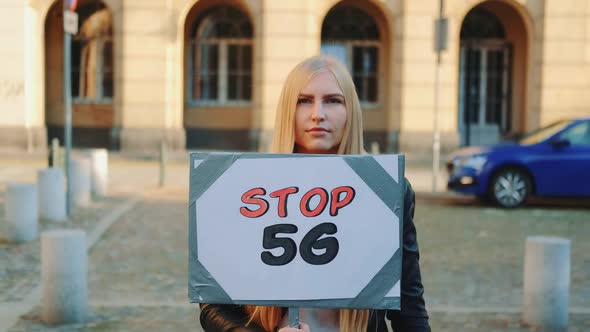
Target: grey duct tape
(381,283)
(203,286)
(382,184)
(390,192)
(212,167)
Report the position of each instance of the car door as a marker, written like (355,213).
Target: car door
(564,169)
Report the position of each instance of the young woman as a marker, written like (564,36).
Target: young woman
(319,113)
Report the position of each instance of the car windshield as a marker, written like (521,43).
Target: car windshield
(541,134)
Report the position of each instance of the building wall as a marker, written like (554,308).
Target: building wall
(420,65)
(587,35)
(22,127)
(565,71)
(12,72)
(551,74)
(150,106)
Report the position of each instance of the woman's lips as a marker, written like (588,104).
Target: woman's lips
(318,129)
(318,132)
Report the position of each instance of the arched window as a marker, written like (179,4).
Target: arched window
(220,64)
(482,24)
(92,55)
(352,35)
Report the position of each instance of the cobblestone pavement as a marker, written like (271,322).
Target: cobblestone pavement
(122,318)
(477,252)
(471,261)
(20,263)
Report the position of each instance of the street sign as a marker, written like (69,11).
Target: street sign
(70,22)
(297,230)
(441,33)
(72,5)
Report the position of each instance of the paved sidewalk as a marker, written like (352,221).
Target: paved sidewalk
(138,269)
(471,255)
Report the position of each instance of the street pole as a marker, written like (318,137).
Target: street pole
(440,45)
(67,87)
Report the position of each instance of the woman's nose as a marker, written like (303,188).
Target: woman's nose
(318,112)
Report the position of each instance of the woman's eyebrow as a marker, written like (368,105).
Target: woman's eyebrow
(330,95)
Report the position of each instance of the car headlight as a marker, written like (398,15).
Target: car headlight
(475,162)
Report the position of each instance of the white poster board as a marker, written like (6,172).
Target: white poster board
(296,230)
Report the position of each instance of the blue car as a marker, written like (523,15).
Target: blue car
(551,161)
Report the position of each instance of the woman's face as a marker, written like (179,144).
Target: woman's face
(320,116)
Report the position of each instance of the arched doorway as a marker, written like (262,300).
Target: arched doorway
(92,76)
(218,76)
(491,89)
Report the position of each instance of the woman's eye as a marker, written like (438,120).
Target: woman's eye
(334,101)
(303,101)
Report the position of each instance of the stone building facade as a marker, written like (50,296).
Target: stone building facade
(206,74)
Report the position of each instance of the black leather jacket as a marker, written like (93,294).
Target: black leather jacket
(411,318)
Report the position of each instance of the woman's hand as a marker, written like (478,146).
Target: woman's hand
(302,328)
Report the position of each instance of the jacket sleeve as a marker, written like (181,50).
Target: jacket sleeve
(225,318)
(413,316)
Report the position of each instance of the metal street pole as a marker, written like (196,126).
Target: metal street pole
(67,87)
(440,45)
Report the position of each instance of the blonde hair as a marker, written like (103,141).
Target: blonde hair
(351,320)
(283,140)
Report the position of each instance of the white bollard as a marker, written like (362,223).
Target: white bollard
(64,270)
(374,148)
(99,160)
(546,282)
(21,212)
(80,174)
(52,194)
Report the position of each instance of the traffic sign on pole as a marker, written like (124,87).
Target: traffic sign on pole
(70,22)
(440,44)
(68,7)
(441,33)
(72,5)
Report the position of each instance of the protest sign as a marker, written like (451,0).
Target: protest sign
(296,230)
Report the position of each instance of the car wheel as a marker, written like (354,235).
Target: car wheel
(510,187)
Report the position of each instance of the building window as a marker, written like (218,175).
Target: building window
(578,135)
(92,56)
(220,65)
(482,24)
(352,36)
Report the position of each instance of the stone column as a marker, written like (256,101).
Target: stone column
(151,100)
(52,194)
(285,38)
(21,212)
(81,182)
(64,269)
(546,282)
(99,160)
